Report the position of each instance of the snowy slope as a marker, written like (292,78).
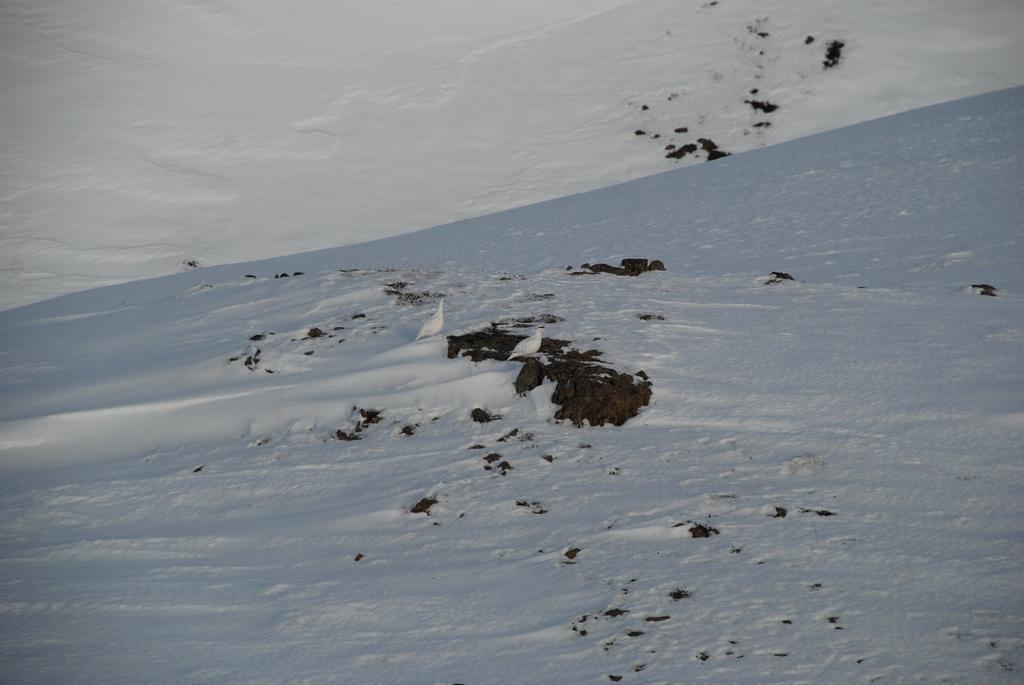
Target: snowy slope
(169,516)
(138,135)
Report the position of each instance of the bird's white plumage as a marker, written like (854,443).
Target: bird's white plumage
(434,324)
(529,345)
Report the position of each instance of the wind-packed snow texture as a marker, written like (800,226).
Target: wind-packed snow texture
(140,136)
(849,442)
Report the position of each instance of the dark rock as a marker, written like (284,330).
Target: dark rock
(308,353)
(530,376)
(360,557)
(409,430)
(504,466)
(984,289)
(370,416)
(635,633)
(650,317)
(634,266)
(548,458)
(359,316)
(598,395)
(367,417)
(528,321)
(299,273)
(423,506)
(778,277)
(479,415)
(833,53)
(709,146)
(397,290)
(682,151)
(819,512)
(315,333)
(535,507)
(511,434)
(585,389)
(780,513)
(614,678)
(629,267)
(494,343)
(682,129)
(699,530)
(762,124)
(680,593)
(644,108)
(657,619)
(252,361)
(808,40)
(605,269)
(613,613)
(417,299)
(258,336)
(198,469)
(492,457)
(762,105)
(640,132)
(250,275)
(572,552)
(757,28)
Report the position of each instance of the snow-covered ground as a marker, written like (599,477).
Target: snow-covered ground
(138,135)
(169,516)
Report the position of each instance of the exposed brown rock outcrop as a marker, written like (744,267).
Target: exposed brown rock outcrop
(585,388)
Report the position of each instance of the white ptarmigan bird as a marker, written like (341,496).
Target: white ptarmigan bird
(434,324)
(528,346)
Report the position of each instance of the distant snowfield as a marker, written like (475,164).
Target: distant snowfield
(854,437)
(138,135)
